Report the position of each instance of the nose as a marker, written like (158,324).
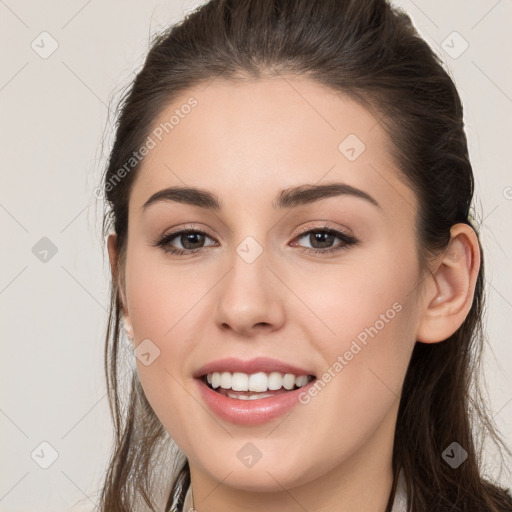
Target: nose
(250,298)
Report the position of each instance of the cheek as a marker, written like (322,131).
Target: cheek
(365,365)
(164,298)
(364,297)
(161,304)
(169,305)
(363,324)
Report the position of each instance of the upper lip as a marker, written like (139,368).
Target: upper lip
(258,364)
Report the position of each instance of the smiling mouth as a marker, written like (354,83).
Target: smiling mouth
(254,386)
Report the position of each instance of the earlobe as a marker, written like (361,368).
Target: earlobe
(112,252)
(112,243)
(128,328)
(454,283)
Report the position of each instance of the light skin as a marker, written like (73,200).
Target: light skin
(245,143)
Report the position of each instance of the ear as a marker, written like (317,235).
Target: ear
(451,286)
(112,253)
(113,258)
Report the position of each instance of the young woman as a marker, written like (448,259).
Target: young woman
(297,270)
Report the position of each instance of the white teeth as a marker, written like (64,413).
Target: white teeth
(248,397)
(301,381)
(257,382)
(275,381)
(239,382)
(289,381)
(225,380)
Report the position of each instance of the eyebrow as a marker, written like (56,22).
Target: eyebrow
(287,198)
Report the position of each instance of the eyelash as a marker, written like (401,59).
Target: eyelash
(347,240)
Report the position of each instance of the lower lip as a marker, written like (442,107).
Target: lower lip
(250,412)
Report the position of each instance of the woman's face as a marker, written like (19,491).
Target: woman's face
(251,286)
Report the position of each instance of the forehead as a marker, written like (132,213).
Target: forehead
(247,139)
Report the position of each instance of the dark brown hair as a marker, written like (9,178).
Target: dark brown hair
(371,52)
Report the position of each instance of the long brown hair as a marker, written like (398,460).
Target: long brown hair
(370,51)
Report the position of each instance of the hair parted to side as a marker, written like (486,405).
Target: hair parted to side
(370,51)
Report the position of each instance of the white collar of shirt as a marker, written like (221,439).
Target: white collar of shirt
(399,504)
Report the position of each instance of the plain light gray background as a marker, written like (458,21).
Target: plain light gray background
(54,116)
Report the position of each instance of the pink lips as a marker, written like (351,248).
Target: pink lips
(250,412)
(259,364)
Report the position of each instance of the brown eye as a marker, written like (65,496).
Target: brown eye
(191,241)
(322,240)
